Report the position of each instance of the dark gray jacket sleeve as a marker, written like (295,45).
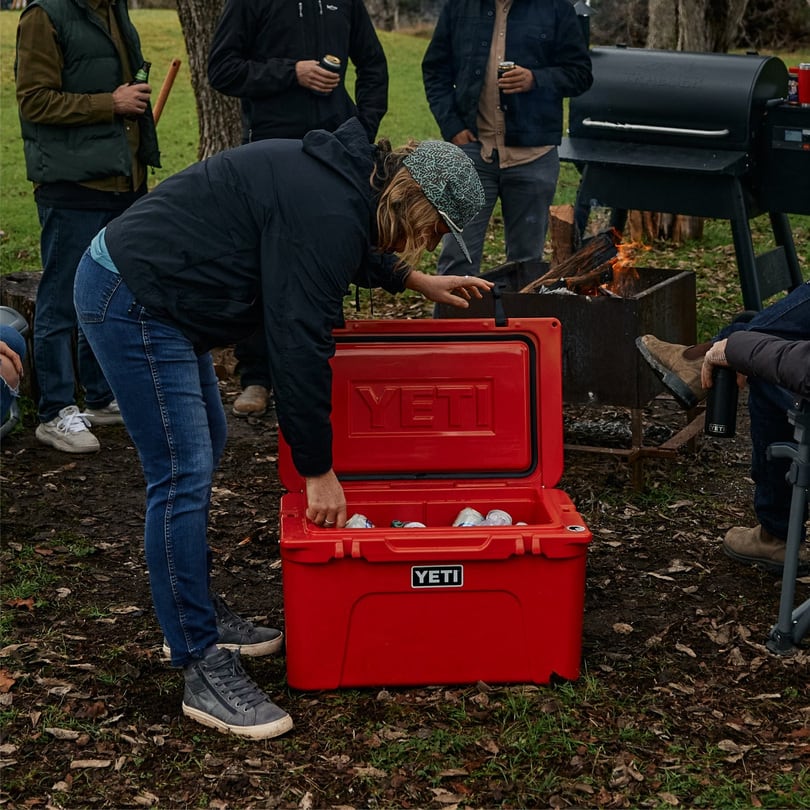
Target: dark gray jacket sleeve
(771,358)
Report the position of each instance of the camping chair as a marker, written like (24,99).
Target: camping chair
(10,317)
(785,636)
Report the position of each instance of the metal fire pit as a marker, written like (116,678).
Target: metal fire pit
(701,134)
(601,364)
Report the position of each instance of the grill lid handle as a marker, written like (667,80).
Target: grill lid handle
(699,133)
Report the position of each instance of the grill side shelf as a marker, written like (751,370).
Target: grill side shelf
(668,158)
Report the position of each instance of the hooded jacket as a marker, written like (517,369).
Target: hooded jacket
(542,35)
(274,232)
(253,54)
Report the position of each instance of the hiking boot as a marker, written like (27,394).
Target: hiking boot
(252,401)
(236,633)
(108,415)
(68,432)
(758,547)
(681,376)
(219,693)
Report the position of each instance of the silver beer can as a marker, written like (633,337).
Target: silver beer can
(497,517)
(358,521)
(468,517)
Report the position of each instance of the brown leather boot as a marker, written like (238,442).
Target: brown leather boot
(758,547)
(251,402)
(675,367)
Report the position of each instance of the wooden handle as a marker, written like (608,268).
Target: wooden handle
(165,89)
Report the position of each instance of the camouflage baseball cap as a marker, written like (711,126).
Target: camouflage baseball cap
(449,180)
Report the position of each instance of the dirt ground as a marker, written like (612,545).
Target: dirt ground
(678,695)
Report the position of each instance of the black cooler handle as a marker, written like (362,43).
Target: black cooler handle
(497,296)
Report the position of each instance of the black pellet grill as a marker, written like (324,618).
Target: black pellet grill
(701,134)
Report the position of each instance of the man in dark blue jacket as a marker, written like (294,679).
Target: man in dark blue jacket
(268,53)
(509,126)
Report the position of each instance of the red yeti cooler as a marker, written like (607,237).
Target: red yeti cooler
(430,417)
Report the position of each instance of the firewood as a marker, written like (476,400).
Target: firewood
(587,282)
(562,233)
(596,252)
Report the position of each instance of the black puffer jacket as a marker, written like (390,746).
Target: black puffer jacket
(253,55)
(780,361)
(273,231)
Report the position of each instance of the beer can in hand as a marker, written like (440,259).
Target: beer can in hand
(330,63)
(504,68)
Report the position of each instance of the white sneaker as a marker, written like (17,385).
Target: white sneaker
(69,432)
(108,415)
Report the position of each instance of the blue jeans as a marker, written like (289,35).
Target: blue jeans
(172,408)
(65,235)
(16,342)
(526,193)
(788,318)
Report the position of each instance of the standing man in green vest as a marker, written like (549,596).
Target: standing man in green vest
(88,136)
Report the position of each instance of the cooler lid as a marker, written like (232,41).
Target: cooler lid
(445,399)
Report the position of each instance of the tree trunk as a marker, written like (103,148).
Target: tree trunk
(709,25)
(699,26)
(384,14)
(219,116)
(662,32)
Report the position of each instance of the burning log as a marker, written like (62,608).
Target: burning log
(586,283)
(598,251)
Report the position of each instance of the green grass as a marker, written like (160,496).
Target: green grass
(712,259)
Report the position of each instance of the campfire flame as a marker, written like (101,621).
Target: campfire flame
(603,266)
(623,269)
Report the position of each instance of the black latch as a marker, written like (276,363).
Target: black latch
(497,296)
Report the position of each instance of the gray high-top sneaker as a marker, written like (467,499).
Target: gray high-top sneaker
(220,694)
(236,633)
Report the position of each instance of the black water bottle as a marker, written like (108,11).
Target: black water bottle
(721,404)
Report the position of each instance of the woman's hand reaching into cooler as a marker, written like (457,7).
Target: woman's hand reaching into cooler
(326,502)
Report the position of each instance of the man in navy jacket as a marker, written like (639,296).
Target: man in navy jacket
(509,126)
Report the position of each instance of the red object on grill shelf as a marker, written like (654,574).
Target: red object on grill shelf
(431,417)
